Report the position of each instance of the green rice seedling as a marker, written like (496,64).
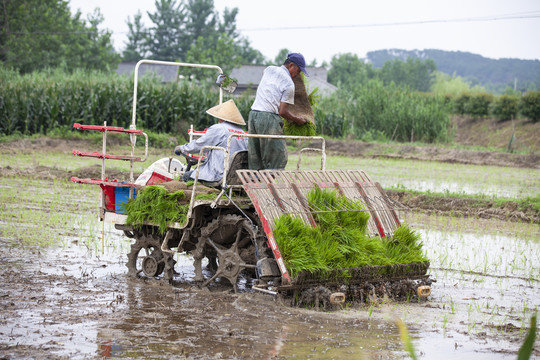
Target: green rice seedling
(295,241)
(293,129)
(405,246)
(370,311)
(526,349)
(452,307)
(154,204)
(406,339)
(209,196)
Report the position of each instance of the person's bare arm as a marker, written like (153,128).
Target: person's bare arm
(287,114)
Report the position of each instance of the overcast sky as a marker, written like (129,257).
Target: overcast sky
(320,29)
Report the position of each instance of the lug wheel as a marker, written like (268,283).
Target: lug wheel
(230,240)
(147,259)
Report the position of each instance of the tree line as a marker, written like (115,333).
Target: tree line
(41,34)
(403,100)
(496,75)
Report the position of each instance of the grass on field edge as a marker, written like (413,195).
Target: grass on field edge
(529,205)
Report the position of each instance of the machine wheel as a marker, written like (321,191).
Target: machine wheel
(147,259)
(229,239)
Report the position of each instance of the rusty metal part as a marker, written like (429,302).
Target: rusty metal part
(147,259)
(229,264)
(153,264)
(337,298)
(423,291)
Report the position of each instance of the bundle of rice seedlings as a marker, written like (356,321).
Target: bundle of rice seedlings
(302,107)
(405,247)
(328,201)
(155,205)
(340,240)
(293,129)
(296,242)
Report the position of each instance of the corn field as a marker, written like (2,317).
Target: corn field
(41,102)
(385,112)
(38,103)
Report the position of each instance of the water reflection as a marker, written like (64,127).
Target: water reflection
(107,346)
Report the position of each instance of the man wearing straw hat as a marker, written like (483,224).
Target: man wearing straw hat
(274,94)
(229,122)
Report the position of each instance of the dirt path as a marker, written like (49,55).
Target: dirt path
(463,207)
(431,153)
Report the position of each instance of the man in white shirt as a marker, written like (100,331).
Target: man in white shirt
(274,93)
(230,120)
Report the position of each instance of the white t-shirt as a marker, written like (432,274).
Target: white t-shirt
(276,86)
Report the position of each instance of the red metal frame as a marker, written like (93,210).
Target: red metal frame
(103,182)
(106,156)
(271,240)
(371,209)
(106,128)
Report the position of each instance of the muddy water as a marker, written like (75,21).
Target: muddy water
(76,303)
(64,294)
(488,284)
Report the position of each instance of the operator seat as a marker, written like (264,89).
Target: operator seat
(239,161)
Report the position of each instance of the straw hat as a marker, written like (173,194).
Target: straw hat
(227,112)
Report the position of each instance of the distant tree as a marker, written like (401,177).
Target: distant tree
(494,75)
(166,39)
(348,70)
(454,85)
(530,105)
(93,48)
(478,105)
(505,107)
(248,54)
(222,50)
(136,48)
(281,56)
(414,73)
(214,50)
(37,34)
(201,20)
(190,30)
(228,23)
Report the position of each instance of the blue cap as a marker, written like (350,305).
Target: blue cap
(299,60)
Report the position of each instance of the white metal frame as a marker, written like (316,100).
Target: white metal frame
(117,218)
(134,105)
